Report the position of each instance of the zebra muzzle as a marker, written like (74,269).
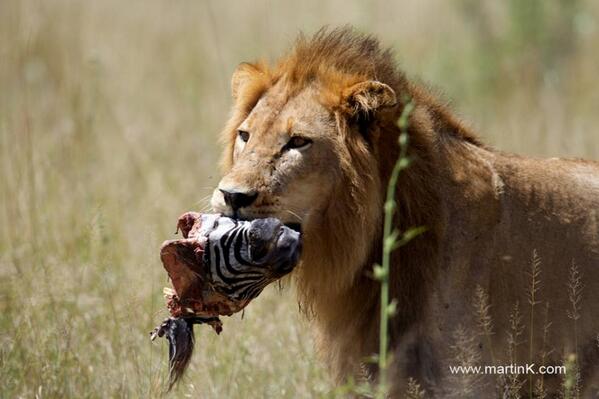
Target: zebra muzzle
(274,245)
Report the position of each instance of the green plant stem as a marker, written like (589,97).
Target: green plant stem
(389,244)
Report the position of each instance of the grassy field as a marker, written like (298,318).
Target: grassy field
(109,120)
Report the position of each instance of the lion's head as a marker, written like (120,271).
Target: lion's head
(303,144)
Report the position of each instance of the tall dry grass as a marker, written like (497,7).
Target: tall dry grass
(109,113)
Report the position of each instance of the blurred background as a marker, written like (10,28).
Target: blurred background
(109,121)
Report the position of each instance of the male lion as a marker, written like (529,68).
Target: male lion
(312,141)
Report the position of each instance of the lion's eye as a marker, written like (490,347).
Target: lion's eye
(243,135)
(298,142)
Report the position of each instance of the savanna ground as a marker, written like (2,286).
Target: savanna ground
(109,119)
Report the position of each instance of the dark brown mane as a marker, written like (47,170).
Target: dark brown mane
(335,60)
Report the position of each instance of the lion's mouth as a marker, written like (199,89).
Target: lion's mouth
(247,214)
(294,226)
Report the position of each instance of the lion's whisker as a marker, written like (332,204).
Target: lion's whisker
(294,214)
(204,199)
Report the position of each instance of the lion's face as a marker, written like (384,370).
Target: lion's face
(295,149)
(284,161)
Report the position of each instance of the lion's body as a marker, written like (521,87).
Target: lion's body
(485,211)
(496,210)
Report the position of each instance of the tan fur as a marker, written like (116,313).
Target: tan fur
(485,212)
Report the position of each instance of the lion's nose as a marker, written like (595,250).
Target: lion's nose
(237,199)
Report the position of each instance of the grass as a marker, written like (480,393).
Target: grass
(109,120)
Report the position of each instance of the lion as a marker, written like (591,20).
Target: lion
(507,271)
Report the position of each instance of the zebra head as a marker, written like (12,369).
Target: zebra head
(243,257)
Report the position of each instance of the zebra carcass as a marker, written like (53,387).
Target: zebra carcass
(216,269)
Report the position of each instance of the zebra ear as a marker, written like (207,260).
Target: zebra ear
(366,98)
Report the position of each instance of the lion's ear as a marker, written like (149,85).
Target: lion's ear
(244,73)
(368,97)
